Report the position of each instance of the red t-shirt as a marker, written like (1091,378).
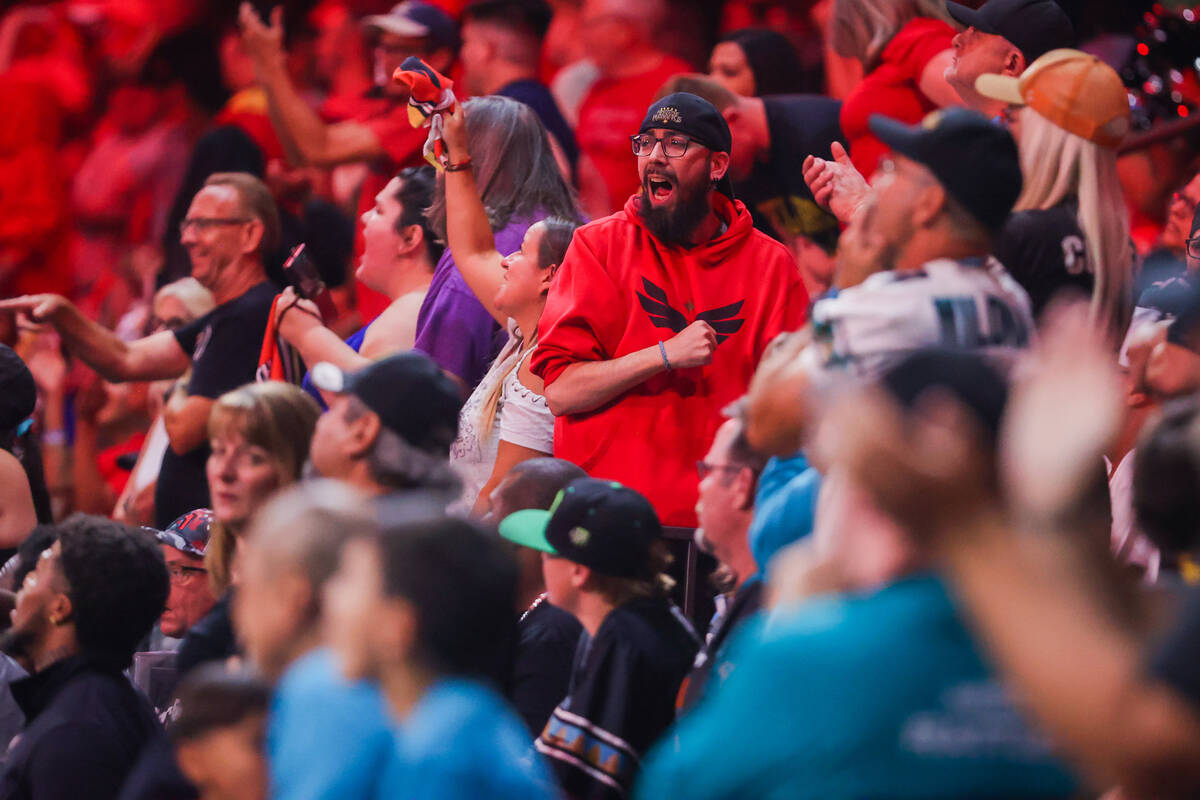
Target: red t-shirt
(620,290)
(891,88)
(387,117)
(612,112)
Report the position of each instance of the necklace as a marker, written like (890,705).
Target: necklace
(537,601)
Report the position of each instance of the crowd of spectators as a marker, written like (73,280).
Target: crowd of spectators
(599,399)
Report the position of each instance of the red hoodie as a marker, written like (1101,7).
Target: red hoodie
(614,277)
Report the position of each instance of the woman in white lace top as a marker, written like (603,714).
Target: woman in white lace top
(505,420)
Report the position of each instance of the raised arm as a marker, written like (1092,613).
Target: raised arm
(468,232)
(306,138)
(151,358)
(303,329)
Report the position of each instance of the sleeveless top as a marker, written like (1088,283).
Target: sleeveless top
(522,418)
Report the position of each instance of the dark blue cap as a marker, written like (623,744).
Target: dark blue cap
(974,159)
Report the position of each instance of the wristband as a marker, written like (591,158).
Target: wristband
(459,167)
(663,349)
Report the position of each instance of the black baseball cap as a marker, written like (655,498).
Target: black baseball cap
(600,524)
(409,392)
(973,158)
(966,376)
(18,392)
(697,118)
(1034,26)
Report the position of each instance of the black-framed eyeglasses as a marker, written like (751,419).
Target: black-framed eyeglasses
(204,223)
(703,468)
(673,146)
(1193,247)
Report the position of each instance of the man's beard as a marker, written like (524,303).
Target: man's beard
(19,643)
(675,226)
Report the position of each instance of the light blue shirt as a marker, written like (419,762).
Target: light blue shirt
(871,696)
(784,507)
(328,738)
(461,742)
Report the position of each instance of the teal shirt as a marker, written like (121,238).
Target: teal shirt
(461,742)
(873,696)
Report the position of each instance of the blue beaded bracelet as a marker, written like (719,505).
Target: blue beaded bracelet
(662,349)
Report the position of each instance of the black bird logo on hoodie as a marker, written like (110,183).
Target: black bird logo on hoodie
(663,315)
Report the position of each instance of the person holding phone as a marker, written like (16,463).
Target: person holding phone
(398,258)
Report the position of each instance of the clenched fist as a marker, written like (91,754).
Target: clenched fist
(692,347)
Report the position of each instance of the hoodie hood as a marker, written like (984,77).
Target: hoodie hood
(739,227)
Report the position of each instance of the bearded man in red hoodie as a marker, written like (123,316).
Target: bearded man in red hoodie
(659,314)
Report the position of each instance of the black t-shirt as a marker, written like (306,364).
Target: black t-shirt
(1174,661)
(224,345)
(621,698)
(1044,250)
(548,638)
(775,192)
(538,97)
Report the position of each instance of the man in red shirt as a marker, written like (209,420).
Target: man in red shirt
(618,37)
(377,131)
(660,313)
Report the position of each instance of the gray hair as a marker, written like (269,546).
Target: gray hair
(396,465)
(515,168)
(306,526)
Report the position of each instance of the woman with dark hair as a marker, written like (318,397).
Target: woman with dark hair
(519,183)
(505,420)
(24,501)
(398,258)
(754,62)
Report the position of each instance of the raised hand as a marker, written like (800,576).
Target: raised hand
(836,184)
(262,42)
(296,316)
(47,365)
(454,133)
(692,347)
(1064,410)
(777,411)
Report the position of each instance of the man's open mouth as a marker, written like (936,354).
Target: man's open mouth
(660,187)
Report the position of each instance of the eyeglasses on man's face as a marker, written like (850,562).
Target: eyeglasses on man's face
(202,224)
(704,469)
(1193,247)
(673,146)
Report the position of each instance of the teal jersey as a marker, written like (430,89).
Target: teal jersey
(871,696)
